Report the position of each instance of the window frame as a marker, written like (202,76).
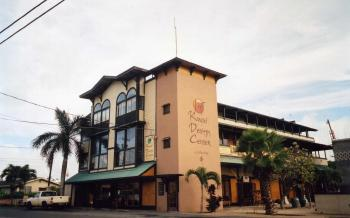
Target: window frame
(97,112)
(119,102)
(125,148)
(105,109)
(130,99)
(94,154)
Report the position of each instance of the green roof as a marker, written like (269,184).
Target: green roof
(113,174)
(231,160)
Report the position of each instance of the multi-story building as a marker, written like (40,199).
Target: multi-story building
(149,127)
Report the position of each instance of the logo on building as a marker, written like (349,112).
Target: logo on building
(198,106)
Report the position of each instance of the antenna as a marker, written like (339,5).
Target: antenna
(175,37)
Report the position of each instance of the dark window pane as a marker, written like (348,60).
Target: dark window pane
(121,158)
(121,108)
(131,105)
(105,115)
(120,139)
(97,117)
(105,104)
(94,162)
(166,109)
(104,144)
(97,107)
(131,93)
(121,97)
(166,143)
(96,147)
(130,156)
(103,161)
(130,138)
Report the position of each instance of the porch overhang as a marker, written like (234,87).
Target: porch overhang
(83,177)
(224,159)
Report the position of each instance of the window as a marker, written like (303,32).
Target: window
(121,104)
(83,164)
(99,152)
(166,109)
(125,147)
(105,111)
(161,187)
(131,101)
(97,114)
(166,142)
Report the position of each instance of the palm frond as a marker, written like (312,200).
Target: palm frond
(41,139)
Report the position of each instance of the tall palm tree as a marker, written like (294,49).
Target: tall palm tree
(17,176)
(264,154)
(203,177)
(64,141)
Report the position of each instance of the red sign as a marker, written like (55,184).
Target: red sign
(198,106)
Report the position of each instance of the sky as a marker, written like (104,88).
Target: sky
(288,59)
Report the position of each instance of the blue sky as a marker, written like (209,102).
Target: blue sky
(286,59)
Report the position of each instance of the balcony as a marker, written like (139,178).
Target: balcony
(244,126)
(229,150)
(320,161)
(130,118)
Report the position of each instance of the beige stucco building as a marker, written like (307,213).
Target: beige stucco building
(147,128)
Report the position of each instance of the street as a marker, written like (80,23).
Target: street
(13,212)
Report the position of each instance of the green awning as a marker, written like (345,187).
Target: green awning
(231,160)
(113,174)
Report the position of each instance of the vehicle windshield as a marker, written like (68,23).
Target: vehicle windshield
(46,194)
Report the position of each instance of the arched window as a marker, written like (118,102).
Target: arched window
(97,114)
(131,100)
(121,104)
(105,111)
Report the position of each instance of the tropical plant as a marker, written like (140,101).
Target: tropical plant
(264,154)
(203,177)
(17,176)
(64,141)
(328,178)
(298,170)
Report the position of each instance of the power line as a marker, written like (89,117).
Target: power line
(22,16)
(5,146)
(33,103)
(31,22)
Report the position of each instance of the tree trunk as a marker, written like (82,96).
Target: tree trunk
(63,173)
(266,194)
(49,180)
(201,199)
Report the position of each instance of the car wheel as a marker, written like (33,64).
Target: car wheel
(29,205)
(44,204)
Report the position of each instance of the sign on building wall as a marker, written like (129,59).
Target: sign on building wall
(149,148)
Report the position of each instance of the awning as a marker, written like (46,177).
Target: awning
(113,174)
(231,160)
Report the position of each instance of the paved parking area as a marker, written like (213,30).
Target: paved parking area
(12,212)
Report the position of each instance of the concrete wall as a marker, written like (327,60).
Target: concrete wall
(333,203)
(341,149)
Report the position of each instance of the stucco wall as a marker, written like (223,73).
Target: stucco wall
(333,203)
(36,184)
(198,134)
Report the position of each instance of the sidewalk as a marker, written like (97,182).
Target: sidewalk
(258,211)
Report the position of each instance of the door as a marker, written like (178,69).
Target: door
(172,195)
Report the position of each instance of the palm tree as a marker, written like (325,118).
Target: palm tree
(64,141)
(264,154)
(17,176)
(203,177)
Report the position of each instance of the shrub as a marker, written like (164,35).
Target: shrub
(213,200)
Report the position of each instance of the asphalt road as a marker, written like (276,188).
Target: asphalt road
(11,212)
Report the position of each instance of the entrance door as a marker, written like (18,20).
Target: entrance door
(172,195)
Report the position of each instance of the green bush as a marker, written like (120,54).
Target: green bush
(213,200)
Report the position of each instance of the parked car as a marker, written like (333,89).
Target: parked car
(47,199)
